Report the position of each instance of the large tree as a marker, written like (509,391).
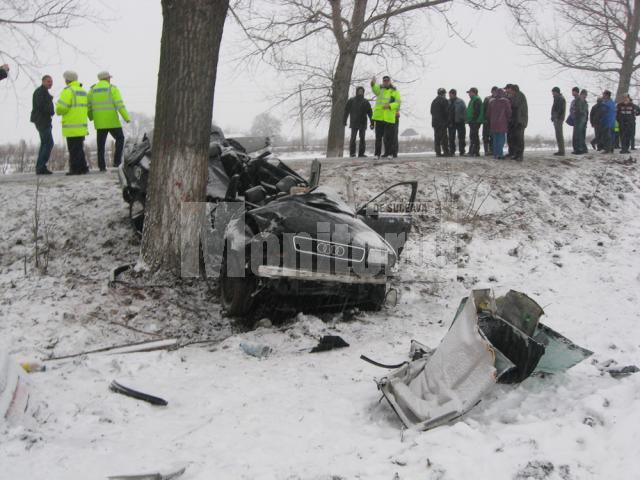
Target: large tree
(594,36)
(191,36)
(319,40)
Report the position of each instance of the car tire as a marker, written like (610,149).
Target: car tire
(236,294)
(376,297)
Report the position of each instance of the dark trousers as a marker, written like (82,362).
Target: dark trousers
(118,136)
(474,138)
(77,160)
(606,139)
(46,145)
(357,132)
(515,141)
(626,132)
(558,126)
(579,138)
(461,130)
(396,140)
(384,132)
(441,141)
(633,136)
(487,139)
(596,143)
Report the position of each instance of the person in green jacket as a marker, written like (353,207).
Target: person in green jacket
(384,114)
(105,108)
(475,118)
(72,107)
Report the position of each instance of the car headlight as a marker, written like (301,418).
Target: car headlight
(378,256)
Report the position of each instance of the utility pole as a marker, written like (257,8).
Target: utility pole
(301,117)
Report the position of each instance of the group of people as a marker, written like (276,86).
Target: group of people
(503,117)
(614,124)
(102,104)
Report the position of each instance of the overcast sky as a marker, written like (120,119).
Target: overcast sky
(128,46)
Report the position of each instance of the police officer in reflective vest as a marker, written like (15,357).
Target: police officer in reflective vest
(72,107)
(105,103)
(385,114)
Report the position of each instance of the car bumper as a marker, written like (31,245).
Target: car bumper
(267,271)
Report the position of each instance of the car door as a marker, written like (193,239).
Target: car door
(389,213)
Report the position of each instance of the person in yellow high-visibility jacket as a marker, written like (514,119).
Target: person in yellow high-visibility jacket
(72,107)
(105,108)
(385,114)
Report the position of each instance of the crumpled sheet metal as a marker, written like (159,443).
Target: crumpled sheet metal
(480,349)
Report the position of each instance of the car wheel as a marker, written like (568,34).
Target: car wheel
(375,298)
(236,294)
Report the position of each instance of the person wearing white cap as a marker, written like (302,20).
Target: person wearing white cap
(72,107)
(105,103)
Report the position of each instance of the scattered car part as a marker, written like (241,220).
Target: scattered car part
(151,476)
(256,350)
(129,392)
(490,341)
(14,391)
(329,342)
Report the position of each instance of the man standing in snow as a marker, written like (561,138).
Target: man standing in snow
(439,122)
(579,113)
(358,109)
(72,107)
(627,120)
(499,114)
(475,118)
(558,112)
(486,127)
(457,115)
(41,115)
(608,122)
(105,103)
(519,121)
(384,114)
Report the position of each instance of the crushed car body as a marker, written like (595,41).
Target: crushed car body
(490,341)
(326,254)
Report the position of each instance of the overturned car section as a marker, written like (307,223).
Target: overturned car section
(490,341)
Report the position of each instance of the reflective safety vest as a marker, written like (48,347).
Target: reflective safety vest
(72,106)
(105,102)
(384,96)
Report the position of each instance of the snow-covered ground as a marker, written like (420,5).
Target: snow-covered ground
(566,232)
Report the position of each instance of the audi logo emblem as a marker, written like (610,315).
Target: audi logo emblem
(324,248)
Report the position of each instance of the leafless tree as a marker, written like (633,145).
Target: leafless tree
(318,41)
(266,125)
(191,36)
(28,26)
(595,36)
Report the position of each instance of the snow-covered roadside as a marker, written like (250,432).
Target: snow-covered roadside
(318,416)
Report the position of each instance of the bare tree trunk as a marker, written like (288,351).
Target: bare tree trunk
(191,36)
(339,97)
(630,50)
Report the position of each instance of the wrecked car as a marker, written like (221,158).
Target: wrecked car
(490,341)
(284,236)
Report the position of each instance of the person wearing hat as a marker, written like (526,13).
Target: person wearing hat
(384,114)
(439,122)
(475,118)
(558,111)
(457,115)
(72,107)
(105,108)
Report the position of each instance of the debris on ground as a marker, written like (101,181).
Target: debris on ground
(151,476)
(490,341)
(129,392)
(14,392)
(257,350)
(329,342)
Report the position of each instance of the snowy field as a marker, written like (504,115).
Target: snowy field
(566,232)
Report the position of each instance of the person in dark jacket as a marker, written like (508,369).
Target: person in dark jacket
(579,115)
(439,122)
(499,114)
(41,115)
(596,118)
(558,111)
(475,118)
(457,116)
(627,120)
(486,128)
(358,109)
(519,121)
(608,123)
(4,71)
(633,136)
